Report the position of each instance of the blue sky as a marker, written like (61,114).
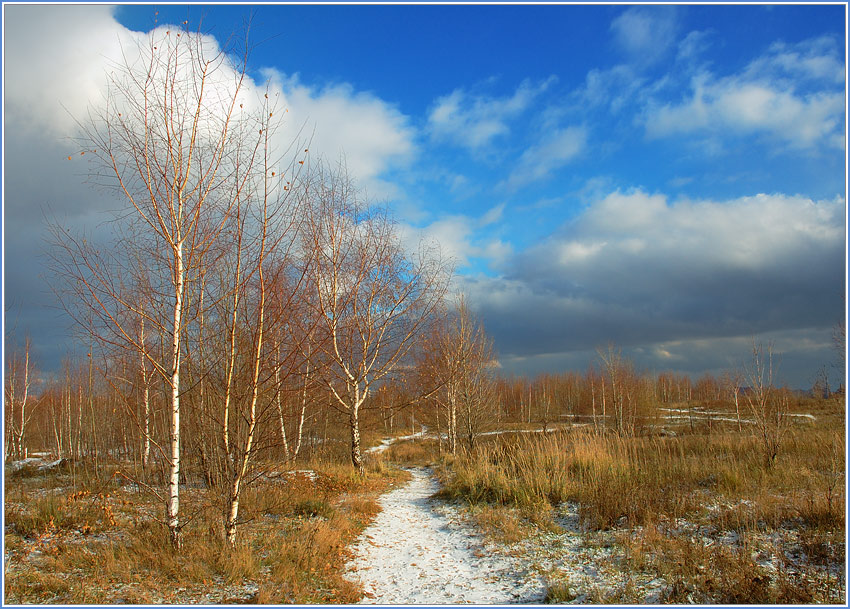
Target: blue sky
(670,178)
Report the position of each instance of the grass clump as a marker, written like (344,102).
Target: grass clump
(633,481)
(313,507)
(418,452)
(558,593)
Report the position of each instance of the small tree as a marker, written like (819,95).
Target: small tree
(768,404)
(16,396)
(732,381)
(457,360)
(617,371)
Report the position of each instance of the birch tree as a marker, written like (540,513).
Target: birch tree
(16,395)
(732,381)
(768,404)
(166,139)
(265,231)
(372,299)
(457,361)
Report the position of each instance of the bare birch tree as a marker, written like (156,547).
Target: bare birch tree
(166,139)
(19,411)
(372,298)
(457,360)
(768,404)
(732,381)
(266,232)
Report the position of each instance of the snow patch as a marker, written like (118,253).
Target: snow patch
(419,551)
(387,442)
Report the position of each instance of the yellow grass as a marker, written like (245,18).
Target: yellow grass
(81,547)
(646,487)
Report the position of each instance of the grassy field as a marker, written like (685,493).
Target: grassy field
(698,517)
(78,539)
(691,515)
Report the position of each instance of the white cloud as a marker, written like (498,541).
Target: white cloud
(55,63)
(817,59)
(691,47)
(474,121)
(454,234)
(613,88)
(494,214)
(748,234)
(793,94)
(373,135)
(462,237)
(554,150)
(645,33)
(58,57)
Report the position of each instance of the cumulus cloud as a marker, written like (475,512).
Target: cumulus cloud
(793,93)
(554,150)
(55,63)
(373,135)
(474,121)
(638,269)
(57,60)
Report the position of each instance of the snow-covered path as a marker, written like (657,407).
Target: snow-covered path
(417,551)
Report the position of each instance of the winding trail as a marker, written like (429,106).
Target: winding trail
(417,551)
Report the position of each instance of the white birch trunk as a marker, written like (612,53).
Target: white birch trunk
(146,442)
(279,403)
(300,429)
(174,478)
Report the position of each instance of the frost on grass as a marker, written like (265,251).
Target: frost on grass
(633,565)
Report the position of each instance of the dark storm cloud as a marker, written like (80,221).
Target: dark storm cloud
(31,203)
(52,65)
(800,355)
(639,271)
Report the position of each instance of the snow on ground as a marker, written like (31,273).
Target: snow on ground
(586,562)
(289,473)
(720,415)
(386,442)
(40,461)
(22,463)
(418,551)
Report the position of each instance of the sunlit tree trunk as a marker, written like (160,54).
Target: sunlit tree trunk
(146,401)
(174,466)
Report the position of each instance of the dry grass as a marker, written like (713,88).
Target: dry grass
(700,512)
(635,481)
(699,570)
(66,546)
(499,524)
(413,452)
(676,501)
